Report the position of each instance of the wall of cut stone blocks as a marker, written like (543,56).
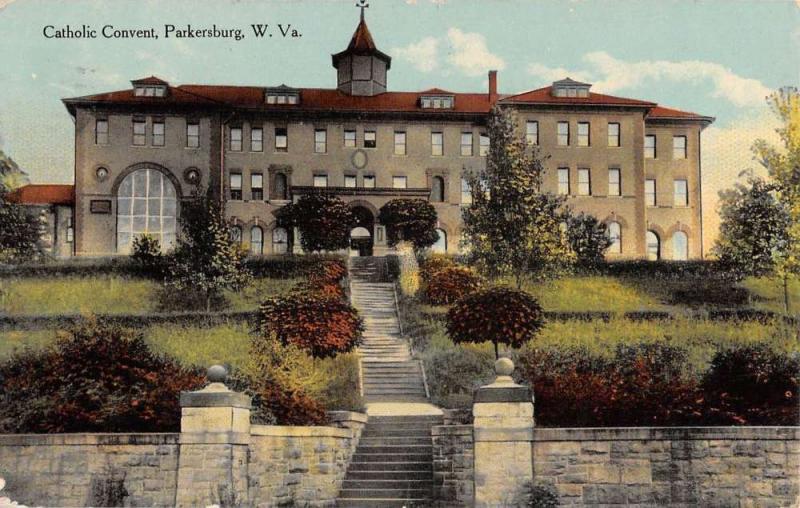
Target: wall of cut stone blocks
(453,459)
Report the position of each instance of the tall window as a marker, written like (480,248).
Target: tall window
(466,192)
(236,139)
(584,182)
(678,147)
(532,132)
(281,139)
(613,134)
(399,182)
(650,192)
(281,187)
(236,186)
(257,186)
(101,132)
(320,141)
(650,147)
(139,133)
(192,135)
(399,143)
(280,241)
(483,147)
(653,246)
(614,183)
(681,197)
(437,189)
(563,181)
(146,205)
(369,181)
(236,235)
(349,138)
(158,133)
(583,134)
(320,180)
(256,139)
(440,247)
(70,229)
(563,133)
(437,144)
(256,240)
(350,181)
(680,246)
(466,144)
(370,139)
(615,235)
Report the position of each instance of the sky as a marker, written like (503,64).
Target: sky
(718,58)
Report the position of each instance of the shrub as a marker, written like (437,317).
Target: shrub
(454,373)
(411,220)
(324,222)
(499,315)
(146,251)
(320,289)
(433,264)
(330,271)
(588,238)
(96,378)
(540,496)
(321,326)
(451,284)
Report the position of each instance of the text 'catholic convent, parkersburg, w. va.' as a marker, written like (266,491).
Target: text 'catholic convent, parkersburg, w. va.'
(633,164)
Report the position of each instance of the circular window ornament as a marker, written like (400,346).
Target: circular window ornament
(359,159)
(192,176)
(101,174)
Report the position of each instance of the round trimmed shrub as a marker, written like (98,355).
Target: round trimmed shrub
(322,326)
(451,284)
(500,315)
(433,264)
(410,220)
(321,289)
(329,271)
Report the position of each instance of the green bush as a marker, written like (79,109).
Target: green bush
(146,253)
(433,264)
(449,285)
(455,372)
(410,220)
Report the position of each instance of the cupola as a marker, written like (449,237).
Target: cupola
(362,67)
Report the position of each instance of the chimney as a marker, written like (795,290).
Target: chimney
(492,87)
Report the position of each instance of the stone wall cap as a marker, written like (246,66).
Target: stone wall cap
(215,399)
(761,433)
(451,430)
(503,394)
(88,439)
(296,431)
(344,416)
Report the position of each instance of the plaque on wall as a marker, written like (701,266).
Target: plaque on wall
(100,206)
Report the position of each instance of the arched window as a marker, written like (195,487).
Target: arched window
(653,246)
(615,235)
(680,246)
(146,205)
(256,240)
(437,189)
(440,247)
(236,234)
(280,241)
(281,190)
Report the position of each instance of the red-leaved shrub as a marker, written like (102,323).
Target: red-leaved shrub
(329,271)
(450,284)
(433,264)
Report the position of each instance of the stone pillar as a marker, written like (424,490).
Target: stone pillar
(503,432)
(215,436)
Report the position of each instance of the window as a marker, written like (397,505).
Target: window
(236,139)
(101,132)
(350,181)
(349,138)
(437,189)
(281,139)
(256,139)
(433,102)
(192,135)
(70,229)
(236,186)
(483,147)
(563,181)
(466,144)
(139,129)
(563,133)
(613,134)
(370,139)
(320,141)
(583,134)
(280,190)
(653,246)
(678,147)
(680,246)
(236,235)
(532,133)
(440,247)
(649,147)
(147,204)
(257,186)
(584,183)
(282,98)
(256,240)
(399,182)
(399,143)
(650,192)
(320,180)
(437,144)
(280,241)
(614,183)
(369,181)
(150,91)
(466,192)
(681,197)
(615,235)
(158,133)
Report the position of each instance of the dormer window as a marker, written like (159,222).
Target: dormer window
(282,95)
(571,88)
(150,91)
(437,102)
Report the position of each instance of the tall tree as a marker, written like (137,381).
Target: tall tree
(512,228)
(412,220)
(588,238)
(20,235)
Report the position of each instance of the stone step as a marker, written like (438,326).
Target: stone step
(389,475)
(382,382)
(408,493)
(396,457)
(398,419)
(387,465)
(394,440)
(417,399)
(387,392)
(399,430)
(381,503)
(371,484)
(397,448)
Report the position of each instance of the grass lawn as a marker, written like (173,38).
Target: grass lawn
(594,293)
(767,294)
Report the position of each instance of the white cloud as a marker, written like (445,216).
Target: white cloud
(549,74)
(469,54)
(422,55)
(4,3)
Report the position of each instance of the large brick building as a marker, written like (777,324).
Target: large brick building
(139,152)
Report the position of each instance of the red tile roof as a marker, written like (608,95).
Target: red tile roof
(43,194)
(660,112)
(362,39)
(545,96)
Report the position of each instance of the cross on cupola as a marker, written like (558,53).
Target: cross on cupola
(362,67)
(363,5)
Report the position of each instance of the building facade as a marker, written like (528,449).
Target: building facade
(140,152)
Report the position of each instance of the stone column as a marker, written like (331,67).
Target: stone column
(215,436)
(503,432)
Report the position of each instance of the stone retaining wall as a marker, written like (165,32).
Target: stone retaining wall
(453,459)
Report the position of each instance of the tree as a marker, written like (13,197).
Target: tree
(587,237)
(411,220)
(206,259)
(20,236)
(324,222)
(512,227)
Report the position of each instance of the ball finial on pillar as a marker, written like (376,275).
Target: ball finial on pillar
(217,374)
(503,367)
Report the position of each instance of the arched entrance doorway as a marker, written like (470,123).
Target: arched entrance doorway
(361,240)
